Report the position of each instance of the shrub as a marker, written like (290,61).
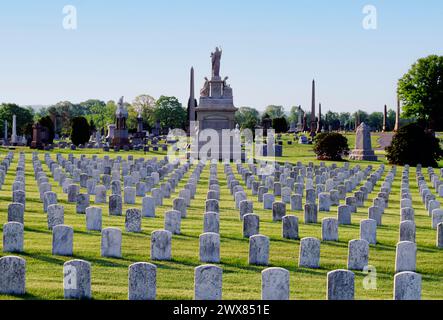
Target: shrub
(413,145)
(79,131)
(330,146)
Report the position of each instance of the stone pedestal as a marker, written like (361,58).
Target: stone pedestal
(363,146)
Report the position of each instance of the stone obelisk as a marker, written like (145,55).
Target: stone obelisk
(385,118)
(397,116)
(14,130)
(313,121)
(319,124)
(192,101)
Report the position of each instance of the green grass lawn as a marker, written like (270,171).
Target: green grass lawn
(44,272)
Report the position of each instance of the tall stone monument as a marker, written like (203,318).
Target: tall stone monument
(319,123)
(121,136)
(313,119)
(300,119)
(363,146)
(216,108)
(397,115)
(192,102)
(14,138)
(385,119)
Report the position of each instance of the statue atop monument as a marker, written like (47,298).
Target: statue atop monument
(204,92)
(216,57)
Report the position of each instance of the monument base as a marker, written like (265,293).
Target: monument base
(363,155)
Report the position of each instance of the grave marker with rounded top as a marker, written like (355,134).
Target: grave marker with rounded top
(115,205)
(407,231)
(344,215)
(358,254)
(251,225)
(12,275)
(94,219)
(440,236)
(275,284)
(142,281)
(179,204)
(211,222)
(368,231)
(62,240)
(133,220)
(310,213)
(208,283)
(212,206)
(407,214)
(407,286)
(329,229)
(406,256)
(259,250)
(161,245)
(278,211)
(77,279)
(173,221)
(16,212)
(309,253)
(111,243)
(290,227)
(210,247)
(56,215)
(82,203)
(13,233)
(296,202)
(340,285)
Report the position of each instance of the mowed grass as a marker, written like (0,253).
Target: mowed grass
(44,272)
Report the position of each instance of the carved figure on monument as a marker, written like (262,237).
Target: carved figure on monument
(204,92)
(216,57)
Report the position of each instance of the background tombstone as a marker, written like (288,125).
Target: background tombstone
(56,215)
(210,247)
(13,237)
(407,286)
(329,229)
(77,279)
(275,284)
(340,285)
(16,212)
(62,240)
(368,231)
(358,255)
(115,205)
(407,231)
(133,220)
(211,222)
(161,245)
(142,281)
(309,253)
(290,227)
(111,244)
(344,215)
(94,219)
(259,250)
(406,255)
(208,283)
(12,275)
(251,225)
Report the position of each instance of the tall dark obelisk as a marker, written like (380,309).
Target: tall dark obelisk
(319,124)
(192,102)
(313,121)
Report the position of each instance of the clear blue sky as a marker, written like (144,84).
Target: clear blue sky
(272,49)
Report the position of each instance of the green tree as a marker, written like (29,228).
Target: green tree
(421,91)
(275,111)
(145,104)
(25,116)
(170,112)
(345,121)
(293,115)
(414,145)
(331,119)
(247,118)
(280,125)
(80,132)
(375,121)
(48,124)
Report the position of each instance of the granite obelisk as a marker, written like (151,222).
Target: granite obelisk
(385,118)
(319,124)
(397,115)
(313,120)
(14,139)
